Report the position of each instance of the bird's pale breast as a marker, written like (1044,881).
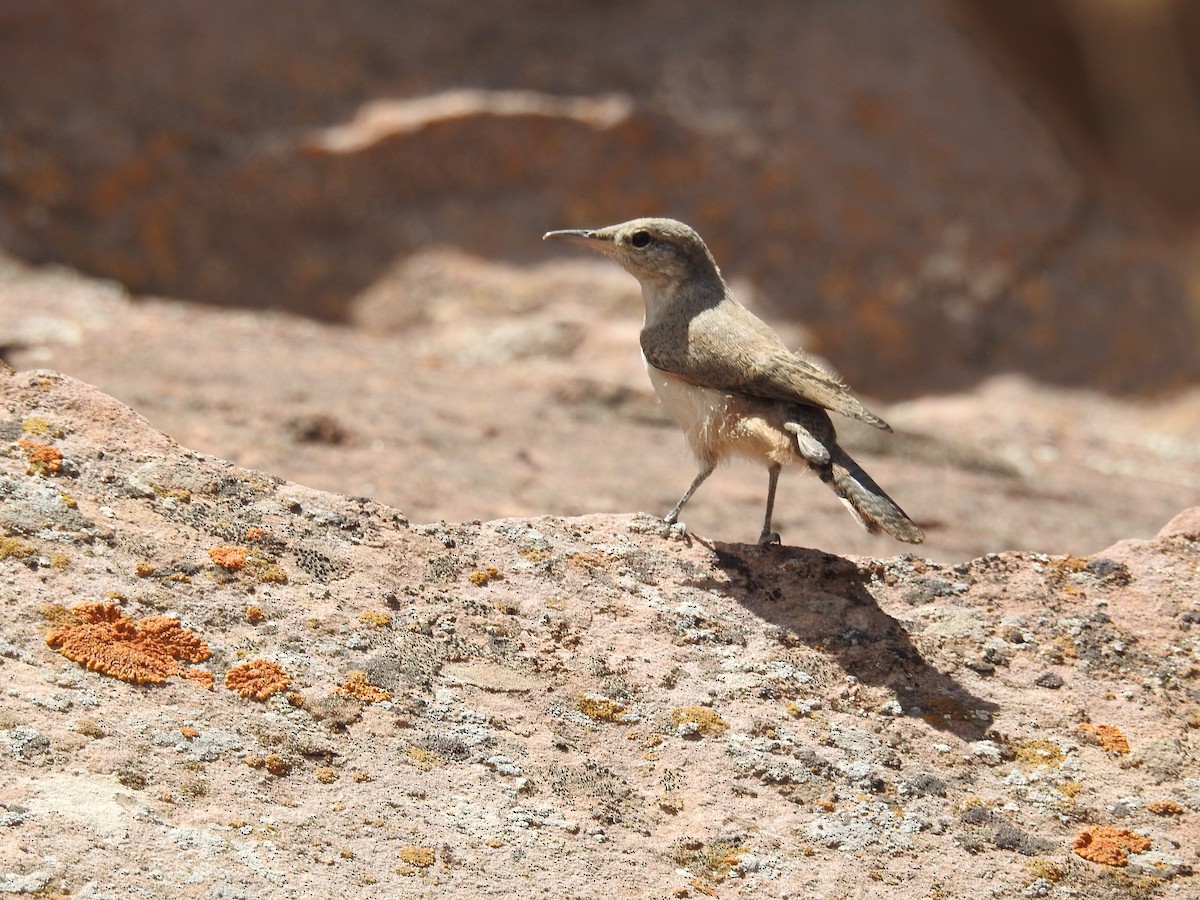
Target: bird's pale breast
(719,424)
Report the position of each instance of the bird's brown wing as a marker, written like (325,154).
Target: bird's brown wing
(740,353)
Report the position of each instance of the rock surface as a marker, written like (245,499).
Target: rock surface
(472,390)
(582,704)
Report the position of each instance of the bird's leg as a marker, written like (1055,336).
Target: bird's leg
(768,536)
(673,516)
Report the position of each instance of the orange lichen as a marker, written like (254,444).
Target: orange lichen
(254,614)
(43,459)
(202,677)
(258,678)
(229,557)
(277,765)
(358,688)
(149,651)
(1109,737)
(1109,846)
(424,759)
(189,731)
(1164,808)
(326,775)
(257,534)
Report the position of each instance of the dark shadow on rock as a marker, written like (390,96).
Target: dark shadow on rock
(823,600)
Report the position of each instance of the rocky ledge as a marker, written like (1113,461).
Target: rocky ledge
(217,683)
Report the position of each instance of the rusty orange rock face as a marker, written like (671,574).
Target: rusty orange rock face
(148,651)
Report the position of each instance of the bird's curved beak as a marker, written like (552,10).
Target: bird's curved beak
(579,236)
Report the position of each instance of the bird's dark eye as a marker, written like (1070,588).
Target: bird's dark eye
(641,239)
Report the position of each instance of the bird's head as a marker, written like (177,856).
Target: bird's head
(657,252)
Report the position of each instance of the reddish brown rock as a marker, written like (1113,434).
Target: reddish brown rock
(859,163)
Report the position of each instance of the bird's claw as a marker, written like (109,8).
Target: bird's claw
(769,538)
(678,529)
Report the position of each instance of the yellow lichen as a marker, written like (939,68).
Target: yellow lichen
(42,428)
(1032,752)
(1070,789)
(1046,869)
(326,775)
(376,618)
(90,728)
(486,575)
(600,708)
(706,721)
(712,863)
(270,573)
(58,615)
(795,710)
(421,857)
(11,548)
(424,759)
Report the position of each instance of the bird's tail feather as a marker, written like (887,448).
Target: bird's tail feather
(866,500)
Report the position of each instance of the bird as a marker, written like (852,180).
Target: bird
(730,382)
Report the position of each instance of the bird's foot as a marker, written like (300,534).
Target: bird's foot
(678,529)
(769,538)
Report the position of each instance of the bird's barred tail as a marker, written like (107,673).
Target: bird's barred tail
(867,500)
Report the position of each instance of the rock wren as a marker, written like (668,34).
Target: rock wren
(730,382)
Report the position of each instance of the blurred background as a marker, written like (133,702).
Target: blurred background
(305,234)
